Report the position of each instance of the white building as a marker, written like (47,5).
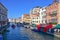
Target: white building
(38,15)
(34,14)
(12,20)
(42,15)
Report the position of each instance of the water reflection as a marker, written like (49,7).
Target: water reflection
(14,34)
(20,33)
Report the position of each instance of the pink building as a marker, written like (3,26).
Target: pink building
(51,11)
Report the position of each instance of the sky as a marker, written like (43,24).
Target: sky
(16,8)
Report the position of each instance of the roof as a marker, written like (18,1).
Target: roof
(55,1)
(26,14)
(37,7)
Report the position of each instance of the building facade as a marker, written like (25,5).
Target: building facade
(26,18)
(42,15)
(3,15)
(12,20)
(52,13)
(38,15)
(34,14)
(19,20)
(59,12)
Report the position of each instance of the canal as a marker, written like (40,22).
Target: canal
(21,33)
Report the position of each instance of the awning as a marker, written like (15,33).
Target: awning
(33,25)
(57,26)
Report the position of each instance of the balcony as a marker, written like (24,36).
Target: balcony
(3,12)
(53,14)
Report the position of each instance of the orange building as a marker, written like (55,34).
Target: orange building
(59,12)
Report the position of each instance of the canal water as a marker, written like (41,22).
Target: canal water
(21,33)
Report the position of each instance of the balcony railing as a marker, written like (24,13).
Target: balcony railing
(54,13)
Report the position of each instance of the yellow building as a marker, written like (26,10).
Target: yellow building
(26,18)
(19,20)
(59,12)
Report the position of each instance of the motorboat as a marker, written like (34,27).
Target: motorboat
(13,26)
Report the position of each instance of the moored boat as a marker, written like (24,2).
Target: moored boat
(13,26)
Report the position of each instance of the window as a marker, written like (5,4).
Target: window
(33,18)
(53,20)
(37,17)
(28,18)
(44,11)
(3,17)
(43,16)
(53,14)
(0,9)
(36,21)
(33,21)
(0,17)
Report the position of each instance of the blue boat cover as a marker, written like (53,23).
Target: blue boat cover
(1,37)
